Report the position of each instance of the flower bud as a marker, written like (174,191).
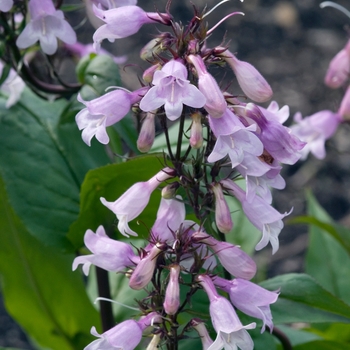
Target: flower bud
(338,69)
(169,191)
(215,103)
(196,139)
(143,272)
(249,79)
(172,294)
(222,212)
(344,109)
(151,49)
(147,133)
(148,74)
(154,343)
(199,326)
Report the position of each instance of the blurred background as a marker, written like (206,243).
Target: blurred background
(291,43)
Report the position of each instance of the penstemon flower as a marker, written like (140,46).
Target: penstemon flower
(6,5)
(173,90)
(46,25)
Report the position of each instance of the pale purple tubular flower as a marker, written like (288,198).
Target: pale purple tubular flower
(200,328)
(12,86)
(173,90)
(111,4)
(144,270)
(315,130)
(250,298)
(261,214)
(123,21)
(249,79)
(108,254)
(215,103)
(277,139)
(105,111)
(223,218)
(260,177)
(170,216)
(126,335)
(172,294)
(6,5)
(233,259)
(231,334)
(46,25)
(339,68)
(135,199)
(233,139)
(274,112)
(344,109)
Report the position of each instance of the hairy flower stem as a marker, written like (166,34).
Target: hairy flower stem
(106,313)
(163,122)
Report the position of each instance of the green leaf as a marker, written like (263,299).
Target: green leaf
(298,336)
(322,345)
(40,290)
(111,182)
(302,299)
(327,260)
(98,72)
(43,164)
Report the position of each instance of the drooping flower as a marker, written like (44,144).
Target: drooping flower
(261,214)
(315,130)
(232,258)
(46,25)
(277,139)
(173,90)
(196,138)
(231,334)
(249,79)
(126,335)
(12,86)
(339,68)
(105,111)
(233,139)
(170,216)
(6,5)
(123,21)
(109,254)
(250,298)
(172,294)
(215,103)
(134,200)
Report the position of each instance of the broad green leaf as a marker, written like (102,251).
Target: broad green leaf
(43,164)
(334,331)
(322,345)
(327,260)
(40,290)
(98,72)
(302,299)
(298,336)
(340,233)
(111,182)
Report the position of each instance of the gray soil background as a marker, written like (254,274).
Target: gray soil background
(291,44)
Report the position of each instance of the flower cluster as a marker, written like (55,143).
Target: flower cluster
(230,138)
